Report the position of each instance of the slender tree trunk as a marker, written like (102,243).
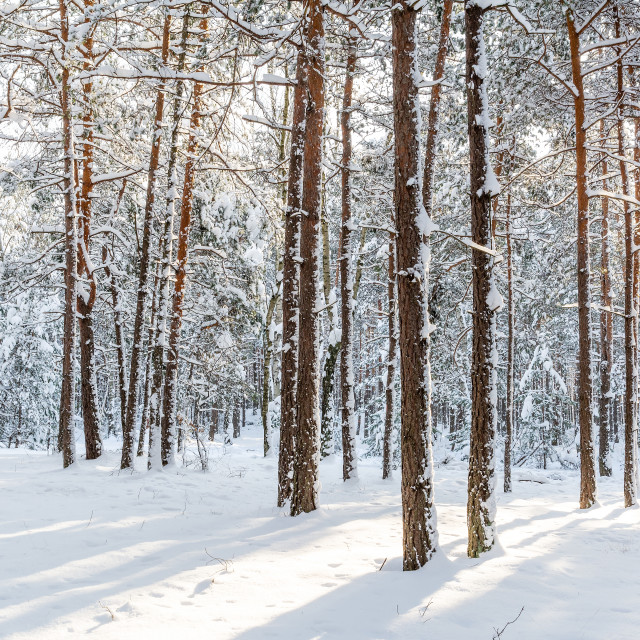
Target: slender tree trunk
(387,445)
(606,328)
(305,465)
(349,459)
(67,396)
(266,369)
(486,299)
(630,307)
(290,287)
(171,374)
(413,226)
(333,347)
(87,291)
(434,108)
(511,333)
(166,252)
(585,385)
(135,366)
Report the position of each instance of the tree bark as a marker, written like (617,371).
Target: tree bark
(67,395)
(511,334)
(154,460)
(606,328)
(347,397)
(434,108)
(290,286)
(413,226)
(145,262)
(630,306)
(387,445)
(87,293)
(305,465)
(585,385)
(171,372)
(117,319)
(266,368)
(486,301)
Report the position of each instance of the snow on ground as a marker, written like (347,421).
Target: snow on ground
(188,554)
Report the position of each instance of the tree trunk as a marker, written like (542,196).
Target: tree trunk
(87,292)
(387,445)
(511,334)
(266,386)
(117,319)
(171,373)
(145,261)
(606,329)
(67,395)
(166,251)
(585,386)
(434,108)
(486,299)
(305,465)
(290,287)
(630,307)
(347,398)
(413,228)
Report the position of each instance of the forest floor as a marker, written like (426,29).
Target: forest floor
(186,554)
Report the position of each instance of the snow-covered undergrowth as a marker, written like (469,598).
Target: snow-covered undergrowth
(186,554)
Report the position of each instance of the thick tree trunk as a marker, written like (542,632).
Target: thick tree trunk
(413,227)
(290,286)
(387,445)
(606,328)
(135,366)
(305,465)
(347,397)
(585,385)
(67,395)
(486,299)
(171,374)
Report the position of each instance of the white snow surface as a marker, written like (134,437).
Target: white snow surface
(181,553)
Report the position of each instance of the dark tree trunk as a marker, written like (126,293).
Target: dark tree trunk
(481,500)
(236,420)
(305,465)
(413,226)
(290,287)
(585,385)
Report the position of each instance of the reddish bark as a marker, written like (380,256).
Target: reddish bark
(585,384)
(145,262)
(171,373)
(305,466)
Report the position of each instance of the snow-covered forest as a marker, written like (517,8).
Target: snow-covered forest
(283,280)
